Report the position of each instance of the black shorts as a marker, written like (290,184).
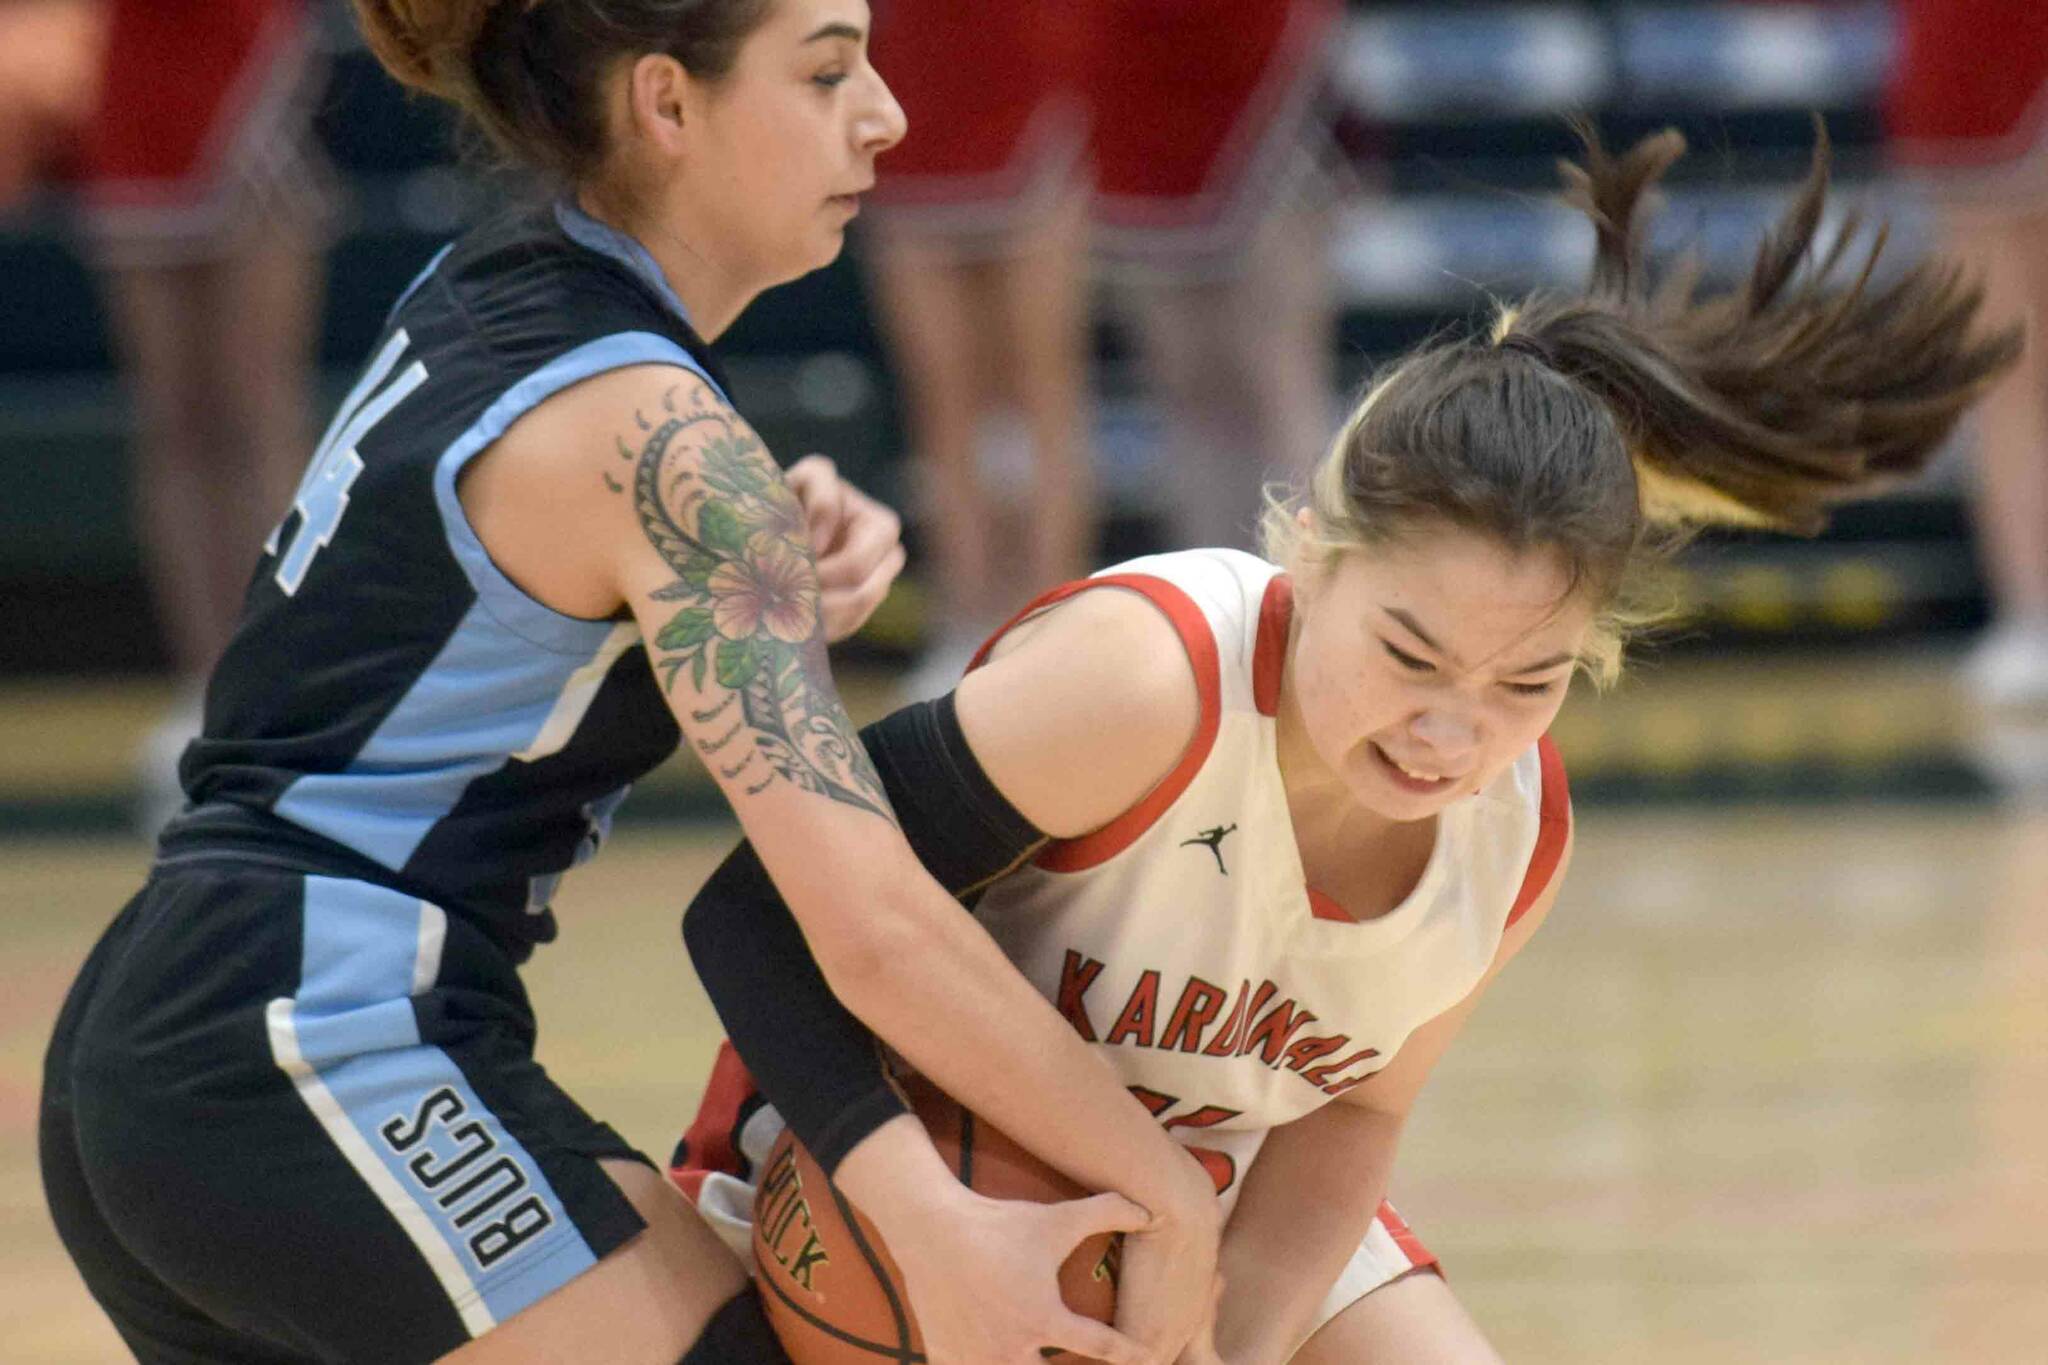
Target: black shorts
(291,1117)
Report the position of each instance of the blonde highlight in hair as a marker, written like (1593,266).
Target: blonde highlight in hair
(1608,425)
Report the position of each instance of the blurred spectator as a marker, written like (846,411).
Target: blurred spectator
(1183,139)
(1969,109)
(205,210)
(979,261)
(1217,175)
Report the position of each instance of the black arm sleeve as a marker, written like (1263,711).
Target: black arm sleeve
(817,1064)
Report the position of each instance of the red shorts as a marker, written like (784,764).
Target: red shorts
(1969,99)
(996,119)
(1185,113)
(203,125)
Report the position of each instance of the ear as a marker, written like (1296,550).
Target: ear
(657,95)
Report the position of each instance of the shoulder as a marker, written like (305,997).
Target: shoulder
(1533,798)
(1224,588)
(1110,653)
(558,497)
(1099,682)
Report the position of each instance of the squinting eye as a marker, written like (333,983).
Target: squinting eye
(830,80)
(1532,689)
(1407,660)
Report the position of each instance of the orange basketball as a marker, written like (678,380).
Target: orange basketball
(833,1293)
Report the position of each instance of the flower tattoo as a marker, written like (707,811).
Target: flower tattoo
(773,590)
(747,630)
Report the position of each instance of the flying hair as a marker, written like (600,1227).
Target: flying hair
(1806,384)
(1607,425)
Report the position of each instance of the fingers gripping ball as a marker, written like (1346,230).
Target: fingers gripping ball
(832,1291)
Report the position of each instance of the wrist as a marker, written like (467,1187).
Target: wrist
(1189,1205)
(894,1175)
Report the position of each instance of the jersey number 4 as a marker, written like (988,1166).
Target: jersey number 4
(323,491)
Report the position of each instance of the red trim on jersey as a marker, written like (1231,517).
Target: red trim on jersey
(1269,654)
(1554,817)
(707,1142)
(1411,1246)
(1094,849)
(1324,907)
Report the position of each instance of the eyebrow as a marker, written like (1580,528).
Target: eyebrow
(1415,627)
(837,30)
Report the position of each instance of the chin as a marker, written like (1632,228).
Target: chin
(804,258)
(1403,808)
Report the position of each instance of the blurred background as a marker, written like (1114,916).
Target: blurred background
(1762,1090)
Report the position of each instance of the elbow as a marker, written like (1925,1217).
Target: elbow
(875,939)
(868,956)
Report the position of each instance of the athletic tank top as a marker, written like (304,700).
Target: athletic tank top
(391,703)
(1181,940)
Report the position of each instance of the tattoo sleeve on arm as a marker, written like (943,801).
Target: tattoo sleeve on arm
(747,633)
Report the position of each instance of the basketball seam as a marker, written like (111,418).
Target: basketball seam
(860,1242)
(840,1333)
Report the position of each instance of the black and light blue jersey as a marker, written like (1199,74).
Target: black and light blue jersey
(389,690)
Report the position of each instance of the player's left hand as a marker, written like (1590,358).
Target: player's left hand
(856,542)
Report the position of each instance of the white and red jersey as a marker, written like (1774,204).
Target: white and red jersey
(1182,940)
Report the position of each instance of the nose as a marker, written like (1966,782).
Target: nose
(884,123)
(1449,734)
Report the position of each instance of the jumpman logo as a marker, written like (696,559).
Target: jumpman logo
(1212,839)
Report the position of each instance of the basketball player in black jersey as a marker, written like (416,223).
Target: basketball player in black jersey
(291,1110)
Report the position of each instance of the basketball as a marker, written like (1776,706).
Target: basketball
(831,1290)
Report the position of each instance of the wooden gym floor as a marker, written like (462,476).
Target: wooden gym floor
(1770,1085)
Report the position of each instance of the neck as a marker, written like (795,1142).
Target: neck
(711,294)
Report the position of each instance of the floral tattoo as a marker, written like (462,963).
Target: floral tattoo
(747,631)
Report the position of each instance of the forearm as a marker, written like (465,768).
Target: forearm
(962,1016)
(905,960)
(812,1057)
(1307,1203)
(950,1003)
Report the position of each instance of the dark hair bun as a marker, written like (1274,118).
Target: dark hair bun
(426,44)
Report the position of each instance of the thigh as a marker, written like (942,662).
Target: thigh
(341,1076)
(1415,1320)
(156,312)
(647,1301)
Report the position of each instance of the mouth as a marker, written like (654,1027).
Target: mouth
(1418,781)
(849,202)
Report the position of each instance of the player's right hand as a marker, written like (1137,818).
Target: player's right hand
(856,543)
(983,1277)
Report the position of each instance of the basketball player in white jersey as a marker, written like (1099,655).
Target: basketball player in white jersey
(1264,829)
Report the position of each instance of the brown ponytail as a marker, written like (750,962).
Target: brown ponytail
(1602,425)
(529,72)
(1765,403)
